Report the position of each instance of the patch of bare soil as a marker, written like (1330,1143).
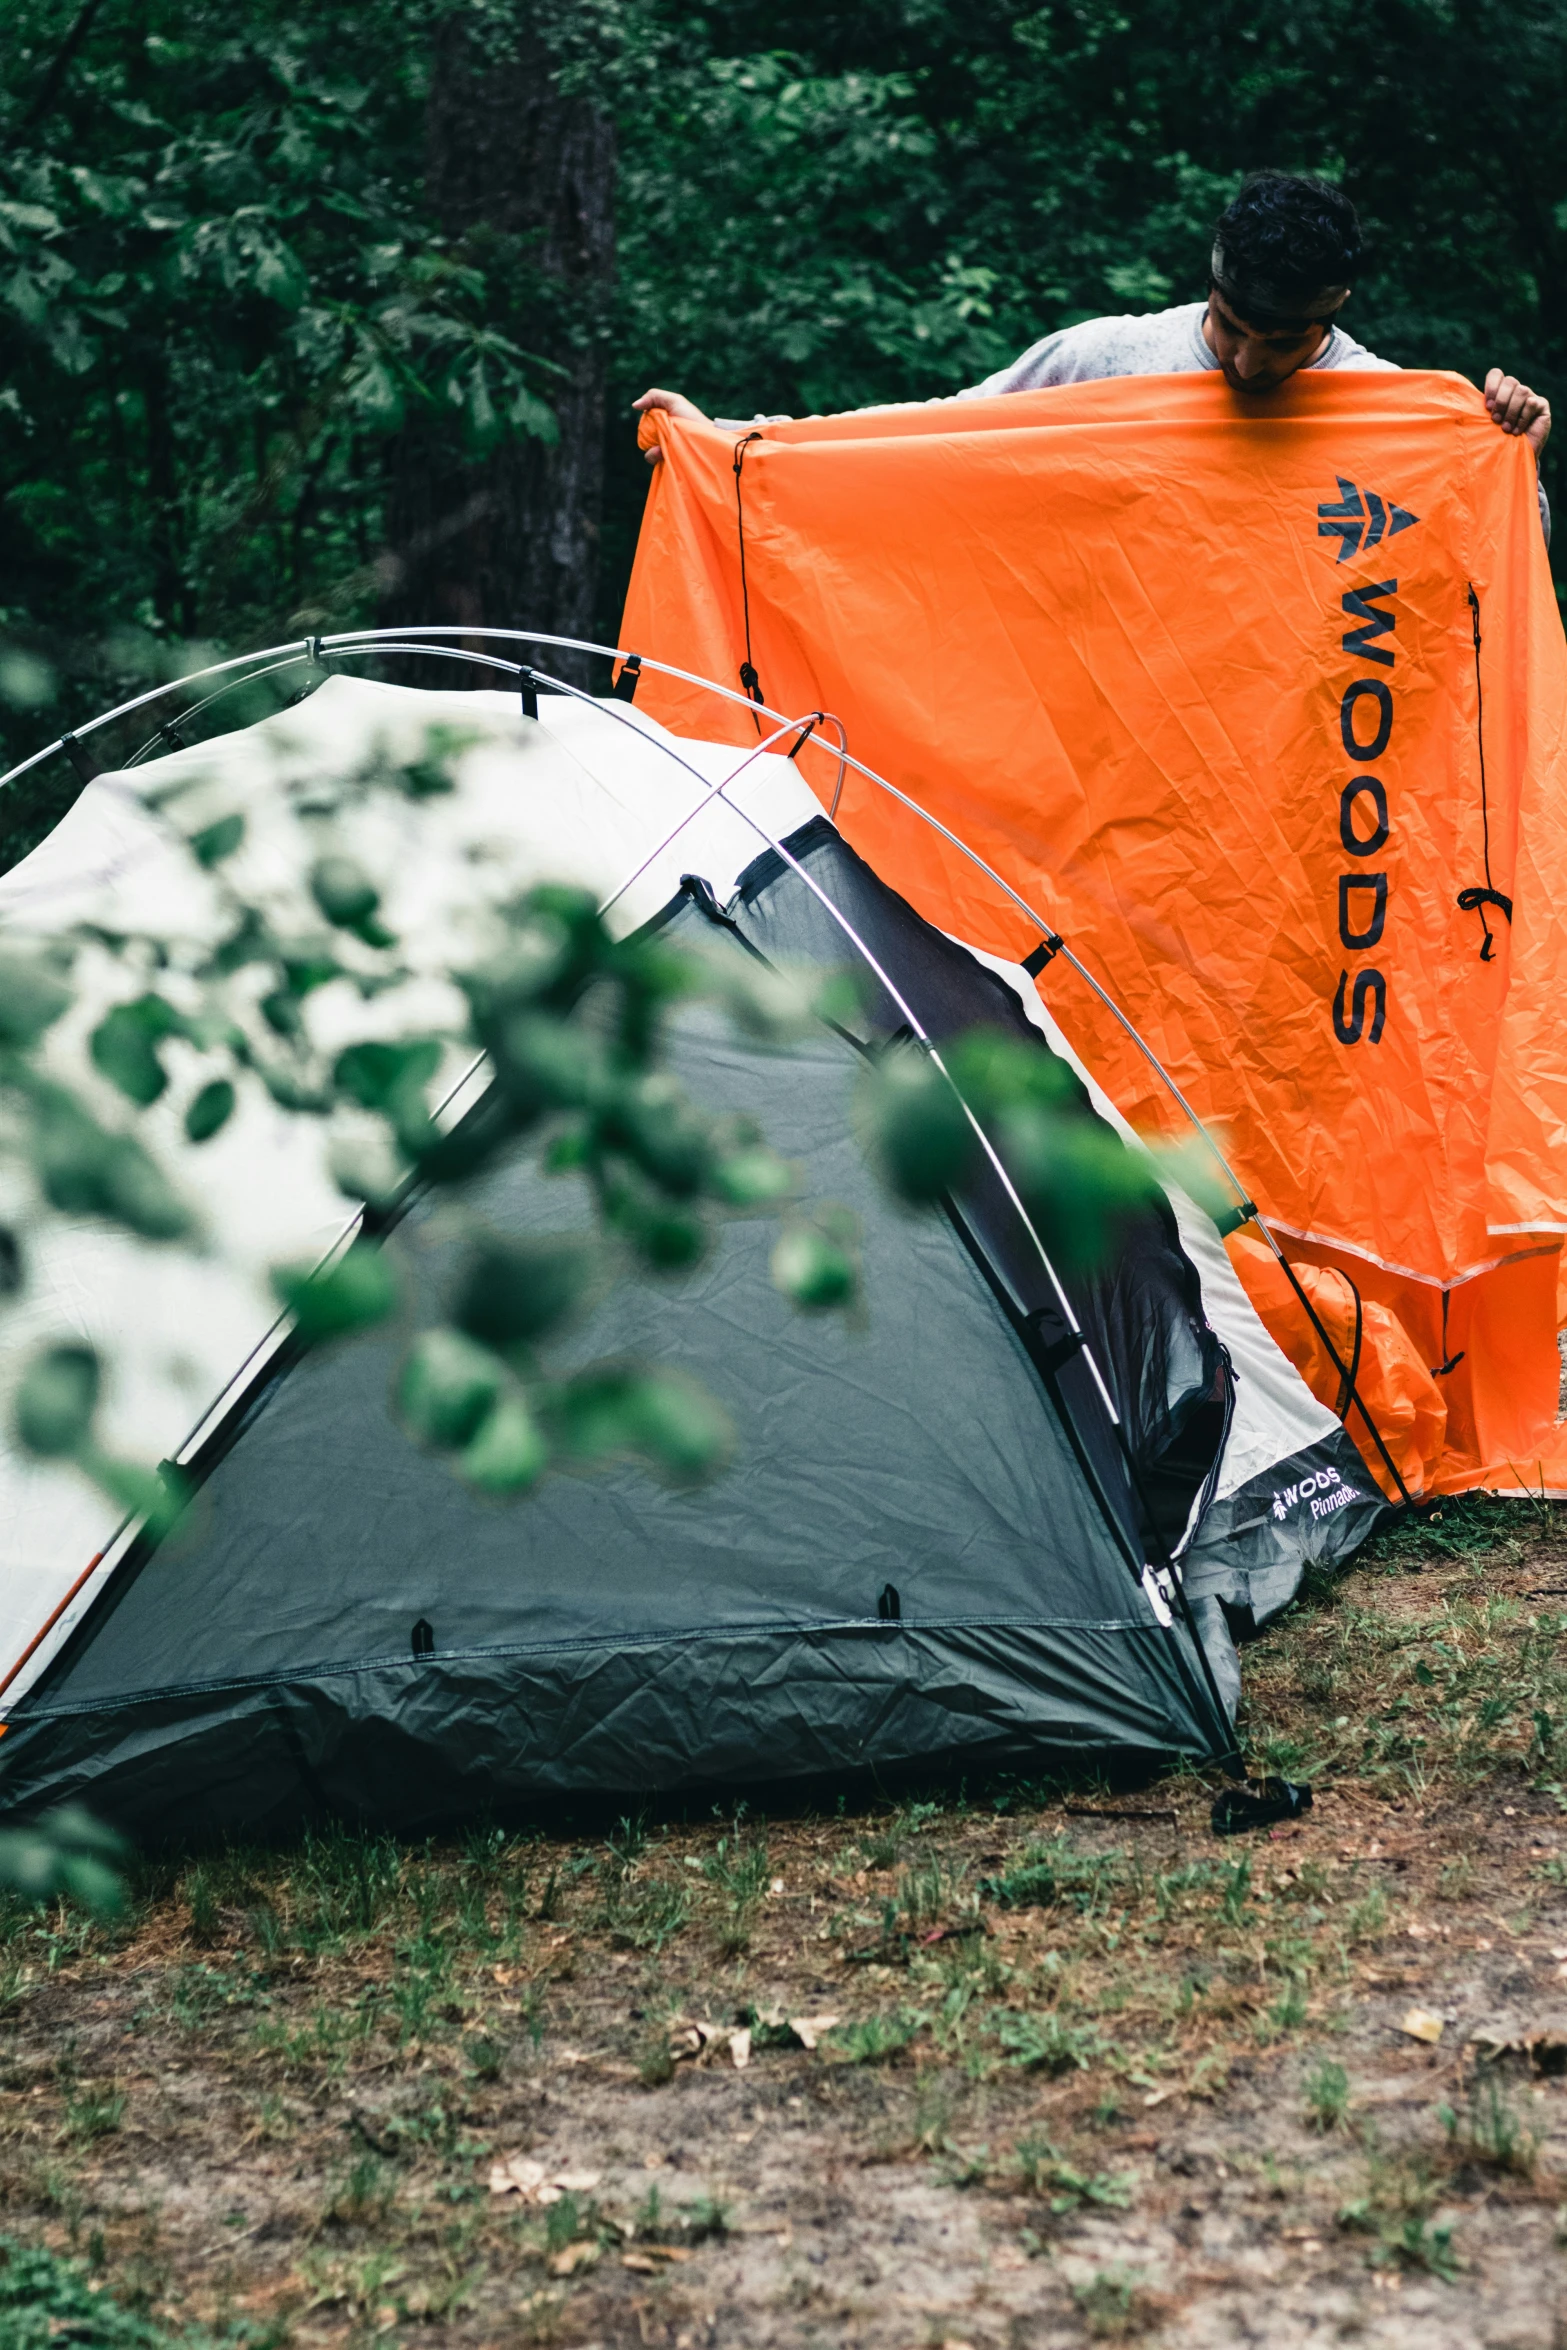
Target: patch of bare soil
(1010,2064)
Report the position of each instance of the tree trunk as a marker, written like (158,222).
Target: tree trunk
(526,179)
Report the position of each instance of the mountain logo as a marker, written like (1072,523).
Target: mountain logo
(1360,520)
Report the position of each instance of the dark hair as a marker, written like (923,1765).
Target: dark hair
(1284,239)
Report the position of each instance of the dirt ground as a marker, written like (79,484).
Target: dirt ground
(1003,2064)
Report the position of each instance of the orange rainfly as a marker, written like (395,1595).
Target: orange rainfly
(1261,706)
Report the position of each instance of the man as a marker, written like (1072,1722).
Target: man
(1285,254)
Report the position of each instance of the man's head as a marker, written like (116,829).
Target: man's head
(1285,253)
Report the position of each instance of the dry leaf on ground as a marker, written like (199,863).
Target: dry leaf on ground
(534,2182)
(571,2257)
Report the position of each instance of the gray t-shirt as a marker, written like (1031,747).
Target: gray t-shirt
(1165,342)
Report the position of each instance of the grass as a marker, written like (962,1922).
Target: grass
(1114,2305)
(1327,2095)
(1039,2004)
(1044,2171)
(1395,2210)
(45,2299)
(1488,2129)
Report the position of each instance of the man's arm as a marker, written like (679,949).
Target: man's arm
(1519,411)
(675,404)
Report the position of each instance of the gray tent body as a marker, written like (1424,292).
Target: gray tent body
(931,1545)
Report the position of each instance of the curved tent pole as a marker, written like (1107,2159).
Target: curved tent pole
(196,709)
(395,640)
(712,792)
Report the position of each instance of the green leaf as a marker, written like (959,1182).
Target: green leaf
(374,1074)
(679,1427)
(1076,1178)
(156,1496)
(915,1126)
(666,1236)
(673,1423)
(755,1177)
(32,997)
(480,421)
(124,1046)
(280,1010)
(358,1290)
(216,841)
(375,395)
(344,892)
(528,414)
(650,1118)
(278,274)
(66,1852)
(86,1171)
(447,1389)
(212,1109)
(509,1452)
(55,1403)
(814,1269)
(291,1091)
(304,973)
(545,1063)
(515,1292)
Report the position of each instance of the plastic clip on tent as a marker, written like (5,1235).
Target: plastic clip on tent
(1258,705)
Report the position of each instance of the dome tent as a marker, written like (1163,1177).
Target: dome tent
(945,1533)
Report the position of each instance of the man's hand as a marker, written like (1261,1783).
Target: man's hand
(1513,406)
(675,404)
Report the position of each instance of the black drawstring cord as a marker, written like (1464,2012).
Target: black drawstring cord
(748,677)
(1347,1375)
(1475,901)
(1448,1362)
(1353,1365)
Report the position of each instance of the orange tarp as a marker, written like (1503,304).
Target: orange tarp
(1197,675)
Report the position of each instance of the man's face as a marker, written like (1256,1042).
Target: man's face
(1257,359)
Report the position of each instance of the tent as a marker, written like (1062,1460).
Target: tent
(1016,1511)
(1262,706)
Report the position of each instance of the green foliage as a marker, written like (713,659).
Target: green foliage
(210,1110)
(1047,2043)
(44,2298)
(1489,2130)
(1044,2171)
(1051,1873)
(67,1854)
(358,1289)
(815,1265)
(221,297)
(875,2039)
(928,1125)
(56,1401)
(1327,2094)
(32,998)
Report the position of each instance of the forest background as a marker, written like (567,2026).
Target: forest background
(333,316)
